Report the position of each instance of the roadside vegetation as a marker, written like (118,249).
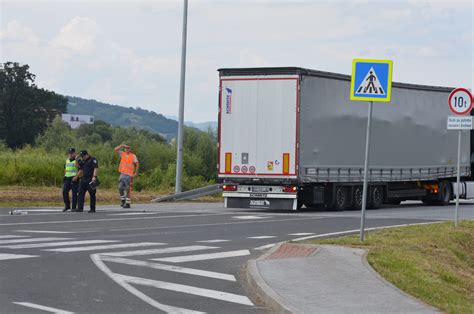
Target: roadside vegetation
(42,164)
(434,263)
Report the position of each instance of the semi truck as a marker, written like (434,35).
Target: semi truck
(290,136)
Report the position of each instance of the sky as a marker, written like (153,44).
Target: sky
(128,52)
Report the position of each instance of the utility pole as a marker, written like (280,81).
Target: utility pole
(179,144)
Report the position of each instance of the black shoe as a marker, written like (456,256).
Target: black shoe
(77,210)
(122,204)
(66,209)
(126,206)
(91,211)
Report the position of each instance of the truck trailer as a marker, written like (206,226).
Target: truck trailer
(289,137)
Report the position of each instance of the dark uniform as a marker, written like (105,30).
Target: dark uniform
(87,167)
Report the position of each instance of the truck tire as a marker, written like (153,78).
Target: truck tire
(341,198)
(376,197)
(445,193)
(357,198)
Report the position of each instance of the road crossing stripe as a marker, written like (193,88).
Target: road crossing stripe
(43,308)
(202,257)
(264,247)
(32,240)
(301,234)
(12,236)
(102,247)
(183,270)
(97,260)
(213,241)
(161,251)
(252,217)
(261,237)
(43,231)
(51,244)
(14,256)
(208,293)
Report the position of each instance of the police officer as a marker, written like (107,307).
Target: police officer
(70,181)
(88,170)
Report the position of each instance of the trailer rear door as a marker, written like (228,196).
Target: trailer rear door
(258,117)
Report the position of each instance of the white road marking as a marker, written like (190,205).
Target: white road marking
(32,240)
(202,257)
(301,234)
(44,210)
(43,231)
(366,229)
(161,251)
(102,247)
(12,236)
(51,244)
(261,237)
(14,256)
(264,247)
(43,308)
(251,217)
(213,241)
(101,220)
(208,293)
(96,258)
(177,269)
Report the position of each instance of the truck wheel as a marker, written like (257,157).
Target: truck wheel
(357,198)
(376,197)
(445,192)
(341,198)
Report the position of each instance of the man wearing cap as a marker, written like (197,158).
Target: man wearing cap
(88,169)
(128,169)
(70,180)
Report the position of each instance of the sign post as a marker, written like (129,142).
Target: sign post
(460,103)
(371,81)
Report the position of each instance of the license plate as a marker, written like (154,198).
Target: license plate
(258,195)
(260,189)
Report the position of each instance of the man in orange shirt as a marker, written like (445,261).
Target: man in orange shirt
(128,169)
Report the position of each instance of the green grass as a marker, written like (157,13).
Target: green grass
(434,263)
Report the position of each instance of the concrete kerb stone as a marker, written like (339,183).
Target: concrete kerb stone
(262,290)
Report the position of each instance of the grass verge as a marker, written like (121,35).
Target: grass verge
(434,263)
(28,196)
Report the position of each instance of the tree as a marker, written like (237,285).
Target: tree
(25,109)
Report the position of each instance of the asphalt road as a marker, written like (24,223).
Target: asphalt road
(178,257)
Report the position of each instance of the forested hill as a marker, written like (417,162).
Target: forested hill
(123,116)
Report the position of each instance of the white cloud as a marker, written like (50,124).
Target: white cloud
(18,32)
(78,35)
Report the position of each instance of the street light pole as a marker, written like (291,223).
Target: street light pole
(179,144)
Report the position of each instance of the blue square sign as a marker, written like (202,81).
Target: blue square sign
(371,80)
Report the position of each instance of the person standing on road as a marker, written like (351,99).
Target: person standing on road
(128,169)
(70,180)
(88,169)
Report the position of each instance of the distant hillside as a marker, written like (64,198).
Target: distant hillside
(203,126)
(123,116)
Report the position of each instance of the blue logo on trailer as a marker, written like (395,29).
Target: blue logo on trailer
(228,101)
(371,80)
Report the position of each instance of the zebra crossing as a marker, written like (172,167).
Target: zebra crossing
(141,256)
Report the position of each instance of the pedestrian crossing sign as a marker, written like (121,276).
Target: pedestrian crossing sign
(371,80)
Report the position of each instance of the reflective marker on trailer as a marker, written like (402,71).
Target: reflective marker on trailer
(228,162)
(286,163)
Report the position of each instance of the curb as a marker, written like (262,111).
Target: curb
(262,290)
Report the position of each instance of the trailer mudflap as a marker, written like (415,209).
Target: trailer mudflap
(264,203)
